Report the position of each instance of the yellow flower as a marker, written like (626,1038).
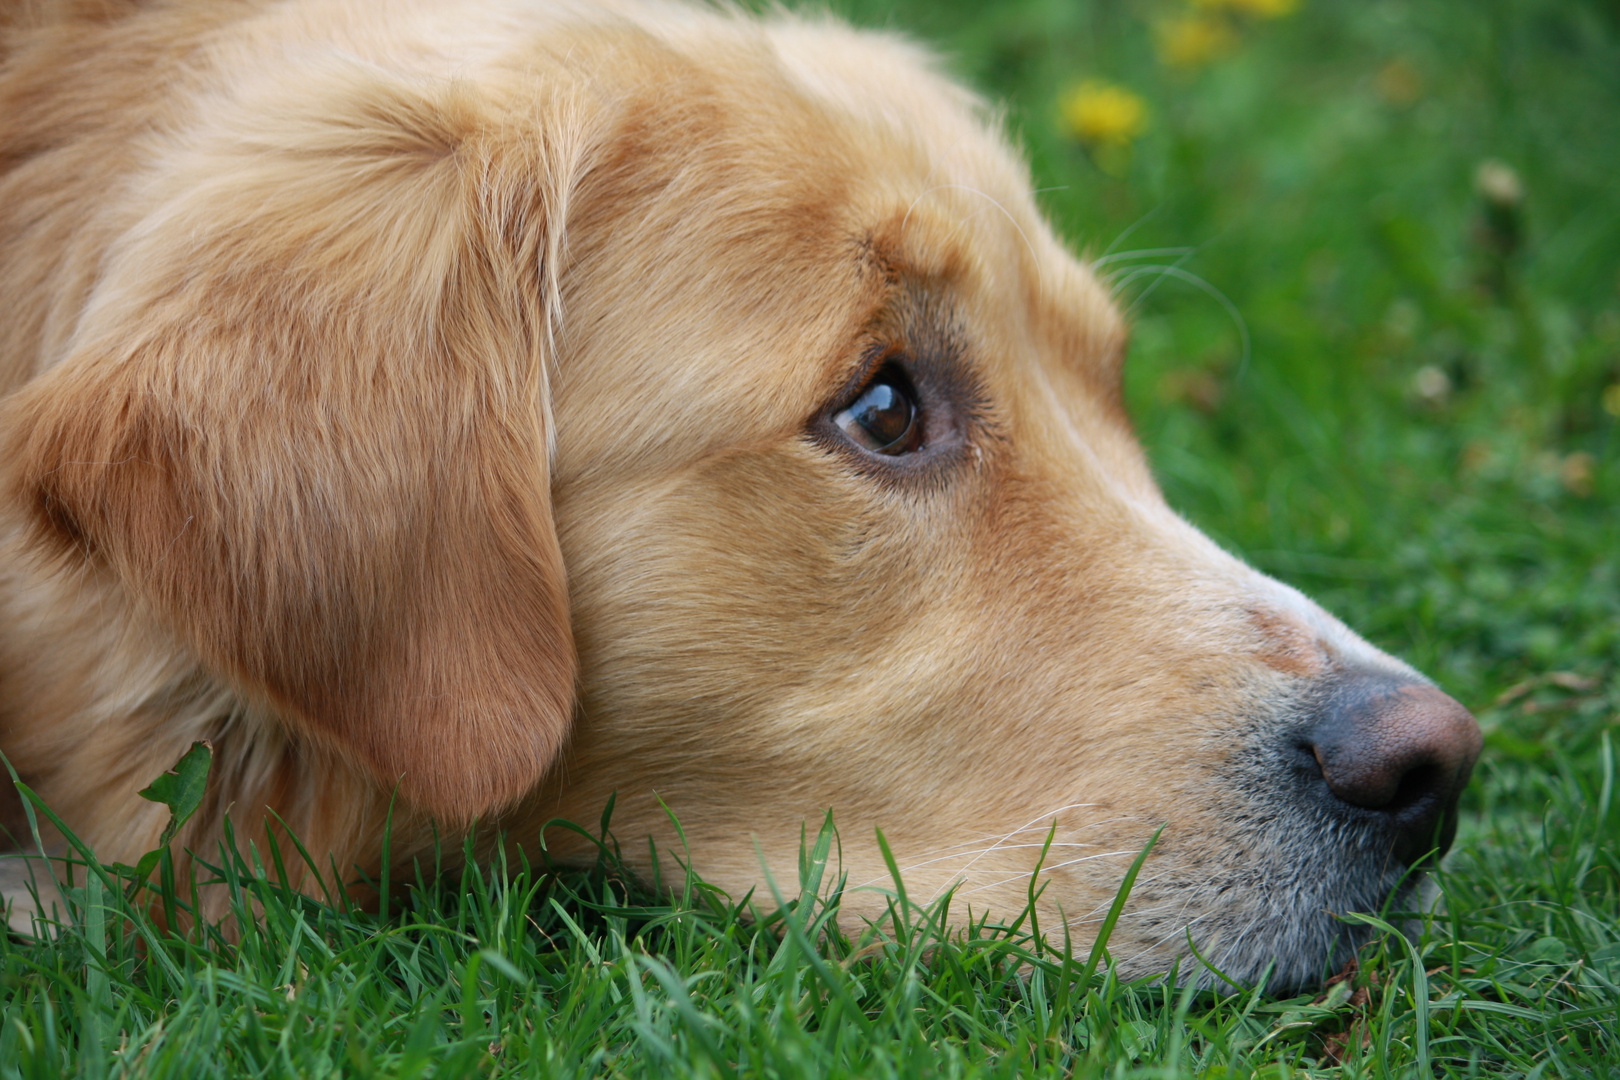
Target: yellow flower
(1191,41)
(1611,399)
(1261,9)
(1576,473)
(1097,112)
(1398,82)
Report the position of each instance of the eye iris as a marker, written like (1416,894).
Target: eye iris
(884,418)
(885,413)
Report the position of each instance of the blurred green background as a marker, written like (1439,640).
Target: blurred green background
(1372,252)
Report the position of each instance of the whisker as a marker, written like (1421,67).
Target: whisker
(1142,253)
(1034,259)
(1038,823)
(1162,271)
(1088,858)
(1132,227)
(973,851)
(1180,931)
(1179,274)
(976,854)
(1024,875)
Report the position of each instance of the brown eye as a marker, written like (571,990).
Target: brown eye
(884,418)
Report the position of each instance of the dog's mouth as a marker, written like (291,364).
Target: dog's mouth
(1339,802)
(1272,915)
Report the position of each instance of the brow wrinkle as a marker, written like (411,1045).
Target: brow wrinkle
(1034,259)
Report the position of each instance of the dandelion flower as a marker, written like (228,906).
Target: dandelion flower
(1262,9)
(1104,114)
(1611,399)
(1191,41)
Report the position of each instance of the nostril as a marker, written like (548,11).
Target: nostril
(1415,786)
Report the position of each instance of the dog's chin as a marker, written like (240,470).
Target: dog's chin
(1265,906)
(1286,936)
(1269,912)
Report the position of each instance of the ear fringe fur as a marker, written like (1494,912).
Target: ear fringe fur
(305,423)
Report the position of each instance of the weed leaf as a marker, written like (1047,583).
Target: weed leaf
(181,790)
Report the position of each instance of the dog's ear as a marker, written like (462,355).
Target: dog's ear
(304,423)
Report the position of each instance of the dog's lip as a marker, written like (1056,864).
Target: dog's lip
(1290,923)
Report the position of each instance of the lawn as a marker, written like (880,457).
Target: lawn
(1372,254)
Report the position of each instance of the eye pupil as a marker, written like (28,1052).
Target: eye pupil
(884,412)
(884,418)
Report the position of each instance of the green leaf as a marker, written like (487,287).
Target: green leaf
(1338,994)
(181,788)
(1544,950)
(1277,1071)
(503,965)
(1137,1038)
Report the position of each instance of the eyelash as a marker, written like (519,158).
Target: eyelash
(950,405)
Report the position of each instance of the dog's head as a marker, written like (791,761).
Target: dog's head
(702,411)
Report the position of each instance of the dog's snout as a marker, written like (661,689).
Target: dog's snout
(1403,751)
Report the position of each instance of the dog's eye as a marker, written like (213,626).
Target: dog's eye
(884,419)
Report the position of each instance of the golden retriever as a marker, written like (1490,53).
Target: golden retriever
(501,405)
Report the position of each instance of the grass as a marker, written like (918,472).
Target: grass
(1350,366)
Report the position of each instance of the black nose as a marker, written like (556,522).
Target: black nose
(1397,752)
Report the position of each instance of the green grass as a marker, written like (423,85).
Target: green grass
(1415,433)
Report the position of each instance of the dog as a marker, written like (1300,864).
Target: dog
(462,413)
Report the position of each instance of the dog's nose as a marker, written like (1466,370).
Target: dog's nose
(1400,750)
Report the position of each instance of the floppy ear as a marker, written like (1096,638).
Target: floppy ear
(304,423)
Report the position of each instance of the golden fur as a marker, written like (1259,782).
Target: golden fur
(431,394)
